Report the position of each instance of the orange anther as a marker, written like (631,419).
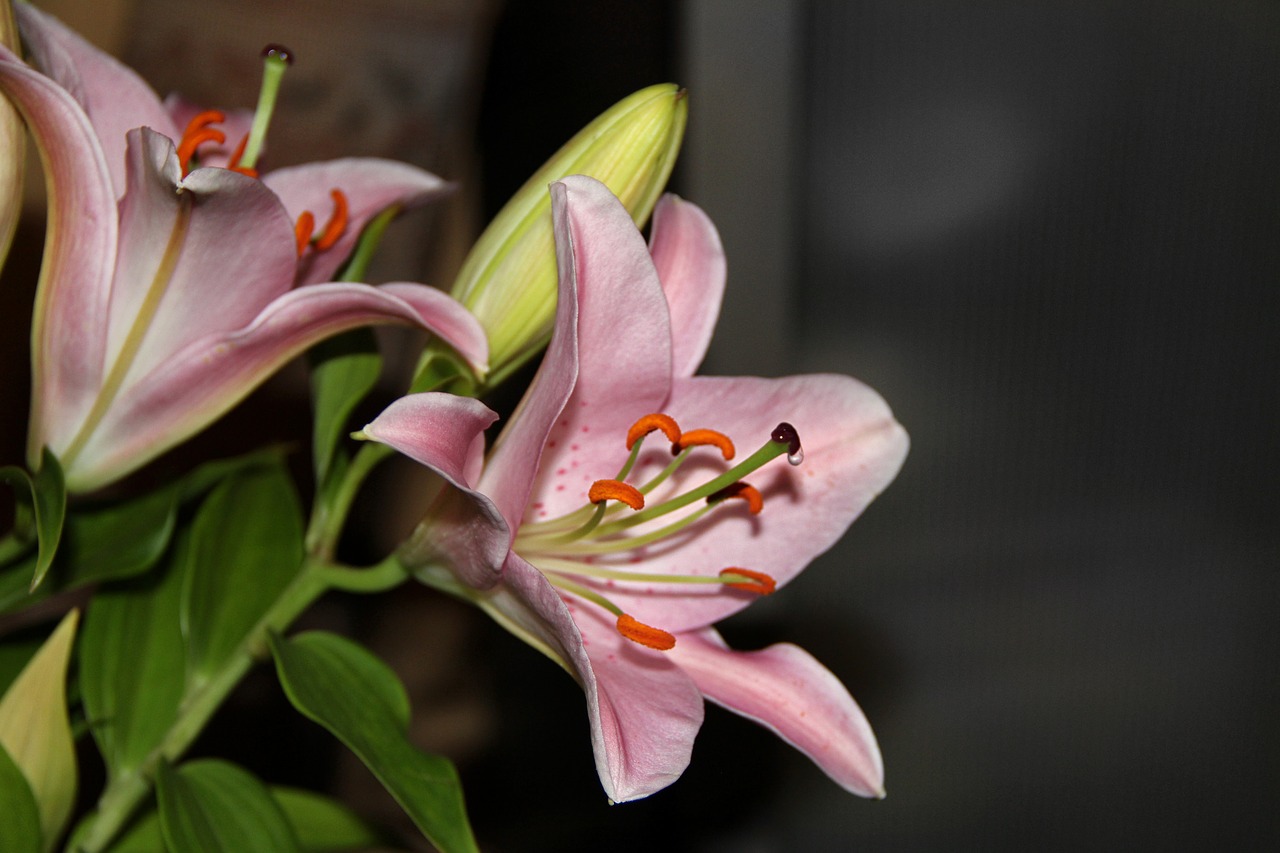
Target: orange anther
(197,132)
(190,142)
(746,491)
(645,635)
(302,230)
(705,436)
(615,490)
(337,224)
(201,120)
(757,582)
(648,424)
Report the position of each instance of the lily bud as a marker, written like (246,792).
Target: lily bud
(12,145)
(509,278)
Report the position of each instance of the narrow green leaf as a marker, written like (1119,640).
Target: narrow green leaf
(133,662)
(15,585)
(208,475)
(36,733)
(344,688)
(15,652)
(41,507)
(343,370)
(320,825)
(20,824)
(246,548)
(214,806)
(117,541)
(103,543)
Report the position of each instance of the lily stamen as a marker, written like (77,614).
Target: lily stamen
(615,490)
(705,437)
(645,635)
(650,423)
(337,224)
(772,449)
(745,579)
(302,230)
(737,578)
(197,132)
(745,491)
(628,626)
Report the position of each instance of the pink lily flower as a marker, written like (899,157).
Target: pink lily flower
(168,293)
(615,557)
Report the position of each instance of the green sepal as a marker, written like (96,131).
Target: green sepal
(211,806)
(41,500)
(346,689)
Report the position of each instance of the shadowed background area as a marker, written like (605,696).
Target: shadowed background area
(1046,233)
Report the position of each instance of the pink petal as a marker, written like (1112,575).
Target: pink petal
(370,185)
(213,373)
(787,691)
(464,531)
(80,249)
(624,339)
(852,449)
(449,319)
(434,429)
(690,261)
(231,243)
(513,463)
(644,710)
(114,96)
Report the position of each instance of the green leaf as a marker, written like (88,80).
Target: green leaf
(41,507)
(208,475)
(117,540)
(344,688)
(104,543)
(133,662)
(20,826)
(35,731)
(320,825)
(15,652)
(215,806)
(344,369)
(246,548)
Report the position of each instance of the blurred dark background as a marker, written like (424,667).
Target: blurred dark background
(1046,233)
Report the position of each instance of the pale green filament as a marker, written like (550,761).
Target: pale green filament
(587,570)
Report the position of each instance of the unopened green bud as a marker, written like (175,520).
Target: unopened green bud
(509,278)
(12,145)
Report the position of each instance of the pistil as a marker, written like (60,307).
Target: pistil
(275,59)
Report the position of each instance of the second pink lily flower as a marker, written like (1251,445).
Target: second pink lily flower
(166,297)
(612,540)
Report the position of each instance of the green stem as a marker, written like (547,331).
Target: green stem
(329,516)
